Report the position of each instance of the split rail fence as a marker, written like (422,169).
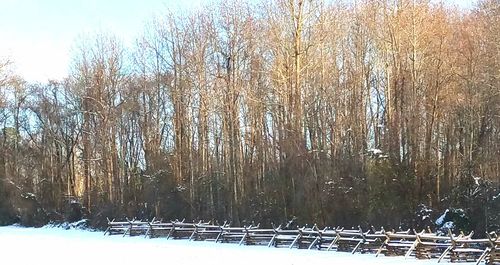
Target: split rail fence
(408,243)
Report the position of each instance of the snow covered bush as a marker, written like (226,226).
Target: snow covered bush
(455,220)
(423,217)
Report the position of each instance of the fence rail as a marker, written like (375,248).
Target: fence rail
(409,243)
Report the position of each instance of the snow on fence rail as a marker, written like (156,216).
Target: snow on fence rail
(421,245)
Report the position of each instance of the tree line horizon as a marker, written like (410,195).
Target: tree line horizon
(324,111)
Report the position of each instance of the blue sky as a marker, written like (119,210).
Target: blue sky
(38,35)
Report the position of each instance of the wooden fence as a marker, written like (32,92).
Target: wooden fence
(409,243)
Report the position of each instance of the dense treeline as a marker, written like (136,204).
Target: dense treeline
(334,113)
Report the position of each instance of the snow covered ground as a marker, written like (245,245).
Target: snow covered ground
(35,246)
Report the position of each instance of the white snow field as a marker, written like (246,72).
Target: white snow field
(33,246)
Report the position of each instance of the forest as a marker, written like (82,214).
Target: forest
(327,112)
